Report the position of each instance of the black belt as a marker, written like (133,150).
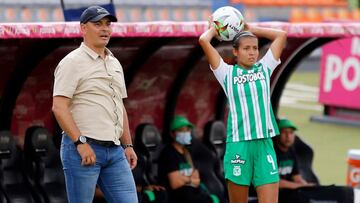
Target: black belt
(100,142)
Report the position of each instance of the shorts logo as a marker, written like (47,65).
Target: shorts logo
(237,160)
(236,171)
(273,172)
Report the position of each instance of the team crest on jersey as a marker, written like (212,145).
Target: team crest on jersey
(237,160)
(236,171)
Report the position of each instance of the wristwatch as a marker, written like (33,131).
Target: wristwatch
(81,140)
(127,145)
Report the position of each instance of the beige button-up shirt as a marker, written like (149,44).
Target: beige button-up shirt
(96,88)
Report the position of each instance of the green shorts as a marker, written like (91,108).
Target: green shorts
(251,162)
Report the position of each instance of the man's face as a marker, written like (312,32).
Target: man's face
(287,137)
(98,33)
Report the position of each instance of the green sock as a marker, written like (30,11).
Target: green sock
(214,198)
(151,195)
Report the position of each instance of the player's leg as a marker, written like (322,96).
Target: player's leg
(268,193)
(116,180)
(266,175)
(238,171)
(80,180)
(237,193)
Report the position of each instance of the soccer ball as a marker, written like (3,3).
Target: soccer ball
(227,21)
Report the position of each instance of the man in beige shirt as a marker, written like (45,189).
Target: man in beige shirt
(88,104)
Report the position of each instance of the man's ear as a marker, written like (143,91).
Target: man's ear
(83,28)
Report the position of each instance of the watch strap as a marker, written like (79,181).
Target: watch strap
(127,145)
(78,141)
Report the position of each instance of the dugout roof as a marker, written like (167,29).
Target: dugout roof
(165,69)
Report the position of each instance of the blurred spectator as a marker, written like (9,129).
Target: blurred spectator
(176,169)
(288,167)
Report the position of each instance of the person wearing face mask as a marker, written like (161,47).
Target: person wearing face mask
(176,169)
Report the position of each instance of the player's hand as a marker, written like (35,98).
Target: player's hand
(212,28)
(214,33)
(210,22)
(87,154)
(131,157)
(246,27)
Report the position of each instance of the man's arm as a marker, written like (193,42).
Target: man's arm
(301,180)
(288,184)
(125,139)
(211,53)
(298,181)
(177,180)
(64,118)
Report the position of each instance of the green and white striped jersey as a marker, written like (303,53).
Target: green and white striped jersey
(248,92)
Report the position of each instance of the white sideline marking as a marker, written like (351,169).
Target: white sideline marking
(301,96)
(302,87)
(305,107)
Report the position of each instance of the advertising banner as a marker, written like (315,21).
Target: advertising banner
(340,73)
(169,29)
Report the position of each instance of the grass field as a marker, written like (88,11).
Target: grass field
(330,142)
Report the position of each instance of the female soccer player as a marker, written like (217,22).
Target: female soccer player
(249,157)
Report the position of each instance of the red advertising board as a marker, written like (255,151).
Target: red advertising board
(169,29)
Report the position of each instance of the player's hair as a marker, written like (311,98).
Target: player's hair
(238,36)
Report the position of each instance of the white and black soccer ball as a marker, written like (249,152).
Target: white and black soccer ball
(227,21)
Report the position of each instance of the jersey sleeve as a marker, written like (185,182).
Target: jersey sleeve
(220,73)
(269,62)
(66,79)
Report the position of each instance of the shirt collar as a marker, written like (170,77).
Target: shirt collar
(92,53)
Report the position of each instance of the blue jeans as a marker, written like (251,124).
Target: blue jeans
(111,172)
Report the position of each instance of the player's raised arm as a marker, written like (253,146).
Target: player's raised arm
(211,53)
(278,38)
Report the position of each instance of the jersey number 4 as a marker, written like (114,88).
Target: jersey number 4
(271,161)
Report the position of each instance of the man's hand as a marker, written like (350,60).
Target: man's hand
(131,157)
(309,184)
(195,178)
(154,187)
(87,154)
